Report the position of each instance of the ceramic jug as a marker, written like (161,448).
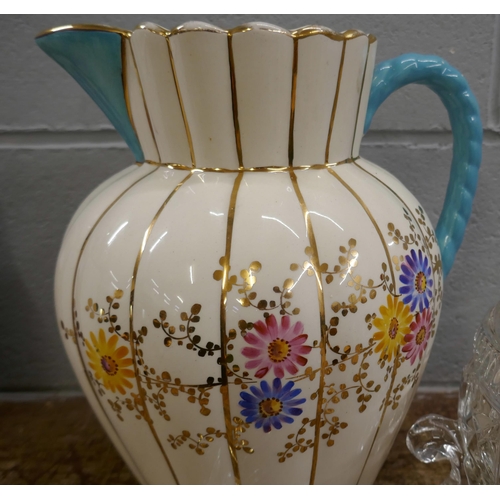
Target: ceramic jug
(253,302)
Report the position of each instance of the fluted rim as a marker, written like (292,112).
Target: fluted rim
(199,26)
(351,48)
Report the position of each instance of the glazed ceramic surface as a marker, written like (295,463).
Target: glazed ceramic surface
(252,302)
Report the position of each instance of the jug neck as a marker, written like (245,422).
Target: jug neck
(252,97)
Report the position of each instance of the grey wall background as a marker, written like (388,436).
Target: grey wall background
(56,146)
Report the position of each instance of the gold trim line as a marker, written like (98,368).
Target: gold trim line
(74,313)
(144,101)
(292,102)
(223,304)
(145,239)
(397,364)
(433,277)
(308,31)
(303,32)
(184,29)
(160,31)
(126,95)
(234,100)
(181,103)
(360,99)
(373,221)
(410,211)
(178,166)
(321,302)
(84,27)
(335,103)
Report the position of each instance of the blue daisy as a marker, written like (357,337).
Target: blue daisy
(271,406)
(417,281)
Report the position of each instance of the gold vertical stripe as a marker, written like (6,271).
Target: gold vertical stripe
(73,306)
(315,262)
(433,275)
(145,239)
(407,207)
(360,97)
(223,335)
(181,103)
(292,100)
(335,103)
(125,83)
(389,260)
(234,98)
(314,258)
(374,222)
(321,302)
(144,100)
(393,378)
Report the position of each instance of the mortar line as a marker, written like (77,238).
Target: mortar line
(493,111)
(37,140)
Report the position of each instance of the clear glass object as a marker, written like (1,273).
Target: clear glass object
(471,443)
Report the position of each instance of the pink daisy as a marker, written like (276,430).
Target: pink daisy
(276,346)
(417,340)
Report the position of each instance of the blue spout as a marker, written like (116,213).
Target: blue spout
(93,57)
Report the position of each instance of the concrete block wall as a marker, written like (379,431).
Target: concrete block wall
(56,146)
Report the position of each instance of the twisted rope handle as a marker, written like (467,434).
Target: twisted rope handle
(463,111)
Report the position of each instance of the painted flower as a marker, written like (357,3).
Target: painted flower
(417,281)
(277,347)
(393,325)
(417,340)
(271,406)
(109,364)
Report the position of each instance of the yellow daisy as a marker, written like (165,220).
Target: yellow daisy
(392,324)
(109,364)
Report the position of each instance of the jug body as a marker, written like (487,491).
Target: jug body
(306,353)
(252,303)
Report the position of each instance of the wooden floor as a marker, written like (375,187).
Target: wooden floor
(59,441)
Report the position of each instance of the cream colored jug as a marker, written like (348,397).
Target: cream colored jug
(253,302)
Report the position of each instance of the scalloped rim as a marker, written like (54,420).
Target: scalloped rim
(194,26)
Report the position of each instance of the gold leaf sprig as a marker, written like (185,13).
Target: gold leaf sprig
(405,240)
(248,276)
(117,406)
(186,332)
(430,235)
(98,385)
(69,333)
(298,441)
(284,293)
(333,429)
(133,404)
(165,384)
(202,441)
(108,316)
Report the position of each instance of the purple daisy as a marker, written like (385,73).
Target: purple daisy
(271,406)
(417,281)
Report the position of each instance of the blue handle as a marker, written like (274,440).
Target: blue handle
(463,111)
